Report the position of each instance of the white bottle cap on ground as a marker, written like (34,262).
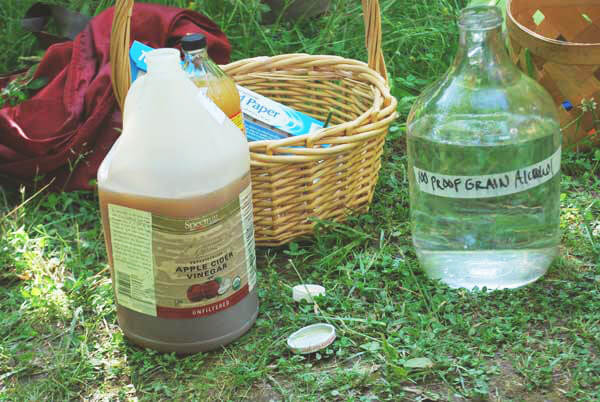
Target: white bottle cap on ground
(312,338)
(307,292)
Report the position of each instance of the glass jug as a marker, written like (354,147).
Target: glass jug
(484,149)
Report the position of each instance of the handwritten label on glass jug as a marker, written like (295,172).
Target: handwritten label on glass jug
(486,186)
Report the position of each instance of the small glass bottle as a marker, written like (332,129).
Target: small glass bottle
(207,75)
(484,150)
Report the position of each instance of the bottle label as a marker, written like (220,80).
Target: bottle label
(183,268)
(238,120)
(486,186)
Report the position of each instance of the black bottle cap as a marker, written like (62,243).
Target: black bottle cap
(193,42)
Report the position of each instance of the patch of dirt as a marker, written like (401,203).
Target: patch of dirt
(264,392)
(508,385)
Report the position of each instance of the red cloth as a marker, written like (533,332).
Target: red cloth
(75,116)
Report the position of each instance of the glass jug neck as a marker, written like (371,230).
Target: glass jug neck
(481,49)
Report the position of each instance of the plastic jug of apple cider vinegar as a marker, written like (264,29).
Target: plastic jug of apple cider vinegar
(207,75)
(176,205)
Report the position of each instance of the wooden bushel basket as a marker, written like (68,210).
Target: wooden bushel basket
(296,179)
(558,42)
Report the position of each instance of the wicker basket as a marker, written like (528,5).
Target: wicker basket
(558,42)
(296,179)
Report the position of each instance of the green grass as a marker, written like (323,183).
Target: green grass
(59,339)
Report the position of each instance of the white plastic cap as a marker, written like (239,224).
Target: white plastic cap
(312,338)
(307,292)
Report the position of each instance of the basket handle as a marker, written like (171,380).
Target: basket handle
(119,50)
(372,17)
(121,29)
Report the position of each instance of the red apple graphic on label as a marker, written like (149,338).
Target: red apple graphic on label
(207,290)
(195,293)
(211,289)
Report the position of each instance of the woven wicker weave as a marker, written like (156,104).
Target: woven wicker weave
(558,42)
(297,178)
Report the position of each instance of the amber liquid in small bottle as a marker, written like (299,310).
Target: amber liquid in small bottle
(207,75)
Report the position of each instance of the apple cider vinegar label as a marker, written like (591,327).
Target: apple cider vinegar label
(183,267)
